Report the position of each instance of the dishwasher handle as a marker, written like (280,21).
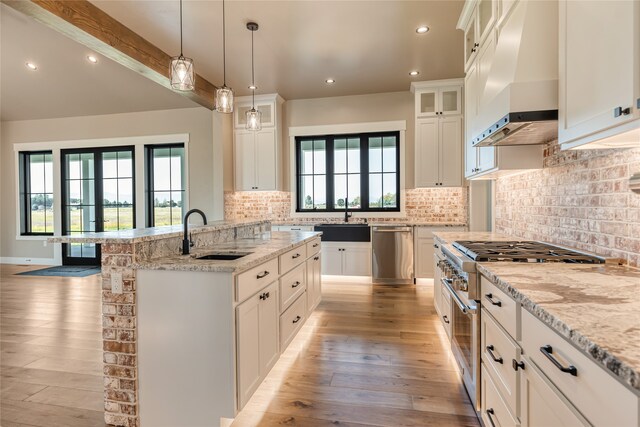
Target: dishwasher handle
(392,229)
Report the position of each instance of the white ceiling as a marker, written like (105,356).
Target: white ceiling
(366,46)
(66,84)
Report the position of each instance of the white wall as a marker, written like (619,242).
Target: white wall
(205,157)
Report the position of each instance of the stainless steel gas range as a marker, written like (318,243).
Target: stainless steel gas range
(460,278)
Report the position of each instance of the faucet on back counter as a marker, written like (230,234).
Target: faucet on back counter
(186,242)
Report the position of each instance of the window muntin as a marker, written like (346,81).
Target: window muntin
(359,170)
(166,183)
(36,193)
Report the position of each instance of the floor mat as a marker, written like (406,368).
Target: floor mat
(64,271)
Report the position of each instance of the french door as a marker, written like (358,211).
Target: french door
(98,194)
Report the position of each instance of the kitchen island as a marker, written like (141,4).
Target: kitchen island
(186,341)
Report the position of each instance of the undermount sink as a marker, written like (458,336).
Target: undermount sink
(223,256)
(344,232)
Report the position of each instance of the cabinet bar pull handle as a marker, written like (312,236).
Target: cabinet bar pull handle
(547,350)
(262,275)
(492,301)
(297,319)
(295,285)
(316,258)
(490,413)
(264,296)
(446,319)
(295,256)
(517,365)
(315,245)
(490,349)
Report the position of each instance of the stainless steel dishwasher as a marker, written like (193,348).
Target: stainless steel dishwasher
(392,254)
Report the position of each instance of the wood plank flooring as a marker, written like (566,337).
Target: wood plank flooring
(370,355)
(50,350)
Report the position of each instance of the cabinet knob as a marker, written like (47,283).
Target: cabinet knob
(316,258)
(473,50)
(517,365)
(619,111)
(476,44)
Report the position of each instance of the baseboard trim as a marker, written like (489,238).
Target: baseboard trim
(34,261)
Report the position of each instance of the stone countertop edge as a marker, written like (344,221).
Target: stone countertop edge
(374,223)
(189,263)
(137,235)
(616,367)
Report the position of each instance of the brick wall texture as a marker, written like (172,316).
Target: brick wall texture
(445,205)
(580,199)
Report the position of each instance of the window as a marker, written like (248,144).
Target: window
(355,172)
(36,193)
(166,184)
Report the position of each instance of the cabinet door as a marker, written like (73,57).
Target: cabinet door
(248,348)
(424,258)
(245,161)
(427,159)
(437,286)
(313,282)
(450,101)
(486,18)
(317,278)
(450,151)
(471,40)
(486,155)
(265,160)
(332,257)
(356,261)
(590,30)
(427,103)
(268,317)
(470,114)
(541,405)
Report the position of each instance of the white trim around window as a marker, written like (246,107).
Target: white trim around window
(139,142)
(338,129)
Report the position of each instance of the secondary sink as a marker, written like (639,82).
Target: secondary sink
(344,232)
(223,256)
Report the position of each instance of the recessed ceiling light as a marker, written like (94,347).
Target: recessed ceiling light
(422,29)
(252,87)
(414,73)
(93,59)
(31,66)
(330,81)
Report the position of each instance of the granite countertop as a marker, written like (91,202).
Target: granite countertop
(262,247)
(152,233)
(396,222)
(596,307)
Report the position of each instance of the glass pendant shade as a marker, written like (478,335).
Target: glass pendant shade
(224,100)
(182,73)
(254,119)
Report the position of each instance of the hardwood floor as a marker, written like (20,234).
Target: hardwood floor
(50,350)
(368,356)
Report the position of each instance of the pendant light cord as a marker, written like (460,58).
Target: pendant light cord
(253,79)
(181,28)
(224,49)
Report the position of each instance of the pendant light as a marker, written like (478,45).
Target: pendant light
(181,70)
(224,94)
(254,121)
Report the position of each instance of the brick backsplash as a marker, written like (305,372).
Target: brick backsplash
(438,205)
(580,198)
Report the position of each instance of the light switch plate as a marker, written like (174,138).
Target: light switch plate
(116,283)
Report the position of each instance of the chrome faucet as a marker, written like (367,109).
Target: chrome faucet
(186,242)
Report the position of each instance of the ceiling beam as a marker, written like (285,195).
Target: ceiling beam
(90,26)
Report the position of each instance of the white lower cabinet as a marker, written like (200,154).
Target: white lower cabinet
(437,285)
(346,258)
(494,410)
(258,350)
(423,258)
(314,282)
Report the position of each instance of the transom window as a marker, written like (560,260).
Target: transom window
(36,193)
(355,172)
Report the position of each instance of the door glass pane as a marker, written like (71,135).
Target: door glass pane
(125,191)
(48,173)
(450,100)
(36,167)
(177,208)
(86,166)
(340,156)
(73,166)
(177,169)
(428,102)
(161,166)
(110,165)
(110,191)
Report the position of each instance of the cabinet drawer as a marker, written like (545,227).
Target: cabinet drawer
(291,321)
(592,390)
(290,259)
(292,285)
(313,247)
(251,281)
(494,410)
(502,307)
(498,353)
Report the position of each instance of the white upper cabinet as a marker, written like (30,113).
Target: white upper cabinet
(471,39)
(256,153)
(599,74)
(486,16)
(438,133)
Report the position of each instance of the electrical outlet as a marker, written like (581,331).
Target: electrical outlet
(116,283)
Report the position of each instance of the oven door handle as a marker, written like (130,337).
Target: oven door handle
(463,307)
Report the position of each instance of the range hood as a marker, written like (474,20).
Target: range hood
(518,103)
